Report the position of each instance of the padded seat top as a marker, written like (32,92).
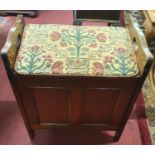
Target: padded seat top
(50,49)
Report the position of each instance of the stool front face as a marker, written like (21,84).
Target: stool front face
(76,76)
(79,101)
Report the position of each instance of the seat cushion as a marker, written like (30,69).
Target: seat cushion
(49,49)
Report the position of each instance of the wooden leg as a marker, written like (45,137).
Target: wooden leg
(118,135)
(77,22)
(31,133)
(25,119)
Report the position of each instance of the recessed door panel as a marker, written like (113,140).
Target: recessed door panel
(98,105)
(52,104)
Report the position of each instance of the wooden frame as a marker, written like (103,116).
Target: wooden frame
(9,53)
(77,98)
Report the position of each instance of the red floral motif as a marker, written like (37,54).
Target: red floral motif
(57,68)
(121,51)
(78,61)
(133,59)
(91,31)
(34,48)
(24,35)
(98,68)
(48,58)
(55,36)
(20,58)
(93,45)
(65,30)
(108,59)
(101,37)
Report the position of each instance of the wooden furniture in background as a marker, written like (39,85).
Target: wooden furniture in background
(29,13)
(149,30)
(110,16)
(76,101)
(149,25)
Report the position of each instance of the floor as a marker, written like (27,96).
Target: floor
(12,127)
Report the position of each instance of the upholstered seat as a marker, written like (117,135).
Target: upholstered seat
(76,50)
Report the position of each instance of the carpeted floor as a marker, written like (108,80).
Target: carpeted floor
(12,127)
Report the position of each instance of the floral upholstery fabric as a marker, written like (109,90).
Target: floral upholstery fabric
(76,50)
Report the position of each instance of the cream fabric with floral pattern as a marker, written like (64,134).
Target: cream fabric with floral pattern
(76,50)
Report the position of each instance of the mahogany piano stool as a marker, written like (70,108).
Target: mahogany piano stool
(74,100)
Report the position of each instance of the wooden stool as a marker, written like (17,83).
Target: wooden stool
(76,76)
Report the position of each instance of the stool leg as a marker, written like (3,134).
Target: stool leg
(31,133)
(77,22)
(117,135)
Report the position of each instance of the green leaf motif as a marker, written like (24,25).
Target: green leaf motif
(71,49)
(84,49)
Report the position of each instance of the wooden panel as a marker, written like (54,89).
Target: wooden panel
(74,81)
(28,102)
(52,104)
(98,105)
(78,90)
(74,113)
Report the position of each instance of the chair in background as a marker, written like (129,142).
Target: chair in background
(149,31)
(112,17)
